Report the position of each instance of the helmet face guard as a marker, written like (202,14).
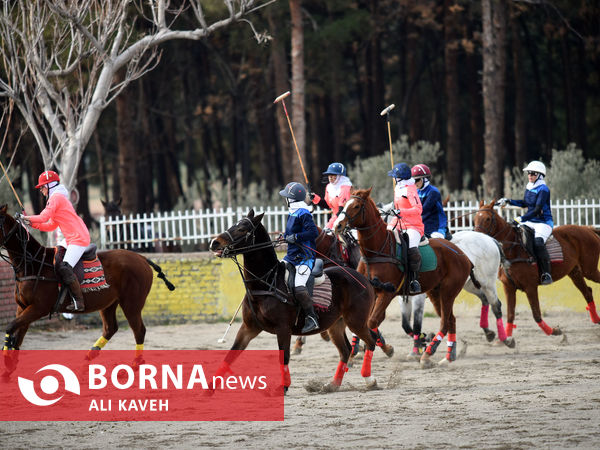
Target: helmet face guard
(294,192)
(47,177)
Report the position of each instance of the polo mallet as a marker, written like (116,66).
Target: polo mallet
(220,341)
(280,99)
(386,111)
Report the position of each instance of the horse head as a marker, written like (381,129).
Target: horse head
(112,208)
(239,237)
(356,211)
(8,226)
(487,220)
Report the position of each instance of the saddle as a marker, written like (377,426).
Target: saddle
(428,256)
(527,235)
(88,270)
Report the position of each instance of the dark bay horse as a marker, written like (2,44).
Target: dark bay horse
(581,250)
(378,249)
(268,307)
(128,274)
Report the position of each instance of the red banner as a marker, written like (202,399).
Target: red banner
(189,385)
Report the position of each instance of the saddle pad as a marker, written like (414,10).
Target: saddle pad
(554,250)
(322,295)
(93,276)
(428,258)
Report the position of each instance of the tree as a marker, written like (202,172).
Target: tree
(298,83)
(494,74)
(60,60)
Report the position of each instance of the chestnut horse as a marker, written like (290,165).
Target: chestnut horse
(128,274)
(378,249)
(268,307)
(580,247)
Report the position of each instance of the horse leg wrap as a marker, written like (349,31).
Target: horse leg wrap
(223,369)
(451,353)
(100,343)
(380,341)
(433,345)
(509,329)
(483,320)
(355,342)
(501,333)
(544,326)
(365,370)
(286,380)
(591,307)
(342,368)
(9,342)
(139,349)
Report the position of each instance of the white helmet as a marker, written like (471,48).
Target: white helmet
(536,166)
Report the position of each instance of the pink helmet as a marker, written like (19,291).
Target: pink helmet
(420,171)
(47,177)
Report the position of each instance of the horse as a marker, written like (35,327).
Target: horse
(267,306)
(580,249)
(333,252)
(128,274)
(486,255)
(378,263)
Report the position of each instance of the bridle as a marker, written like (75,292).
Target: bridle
(248,238)
(362,212)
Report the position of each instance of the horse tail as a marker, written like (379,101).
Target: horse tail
(475,280)
(161,275)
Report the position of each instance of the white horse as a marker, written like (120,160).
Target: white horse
(486,255)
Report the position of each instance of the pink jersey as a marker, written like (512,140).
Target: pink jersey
(59,212)
(408,204)
(335,202)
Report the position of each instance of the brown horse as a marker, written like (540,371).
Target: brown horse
(381,266)
(580,247)
(268,307)
(128,274)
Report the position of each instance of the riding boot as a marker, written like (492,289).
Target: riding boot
(414,264)
(310,322)
(543,260)
(69,279)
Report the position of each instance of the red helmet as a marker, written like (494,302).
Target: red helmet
(420,171)
(47,177)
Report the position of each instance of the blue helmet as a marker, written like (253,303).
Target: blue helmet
(335,169)
(400,171)
(294,191)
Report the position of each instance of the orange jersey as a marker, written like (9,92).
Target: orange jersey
(408,204)
(335,202)
(59,212)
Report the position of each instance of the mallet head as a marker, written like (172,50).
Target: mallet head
(387,110)
(282,96)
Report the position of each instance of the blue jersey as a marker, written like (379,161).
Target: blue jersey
(537,202)
(301,223)
(434,217)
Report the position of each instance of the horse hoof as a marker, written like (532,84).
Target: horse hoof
(297,350)
(329,388)
(444,362)
(489,334)
(388,350)
(413,356)
(510,342)
(556,331)
(350,362)
(426,362)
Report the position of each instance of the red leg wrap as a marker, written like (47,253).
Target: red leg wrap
(544,326)
(286,380)
(509,328)
(430,350)
(365,370)
(342,368)
(223,369)
(591,307)
(483,320)
(501,333)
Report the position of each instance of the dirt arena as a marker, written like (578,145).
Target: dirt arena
(543,394)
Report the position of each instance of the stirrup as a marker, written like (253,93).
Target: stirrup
(310,324)
(75,306)
(546,278)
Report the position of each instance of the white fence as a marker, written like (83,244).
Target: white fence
(175,229)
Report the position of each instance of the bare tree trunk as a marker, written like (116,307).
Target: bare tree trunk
(494,63)
(520,112)
(298,83)
(127,152)
(451,49)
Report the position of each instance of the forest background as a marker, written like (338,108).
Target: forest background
(198,126)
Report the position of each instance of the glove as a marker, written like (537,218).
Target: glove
(387,207)
(437,235)
(291,239)
(502,202)
(517,221)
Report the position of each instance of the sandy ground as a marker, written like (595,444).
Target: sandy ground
(543,394)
